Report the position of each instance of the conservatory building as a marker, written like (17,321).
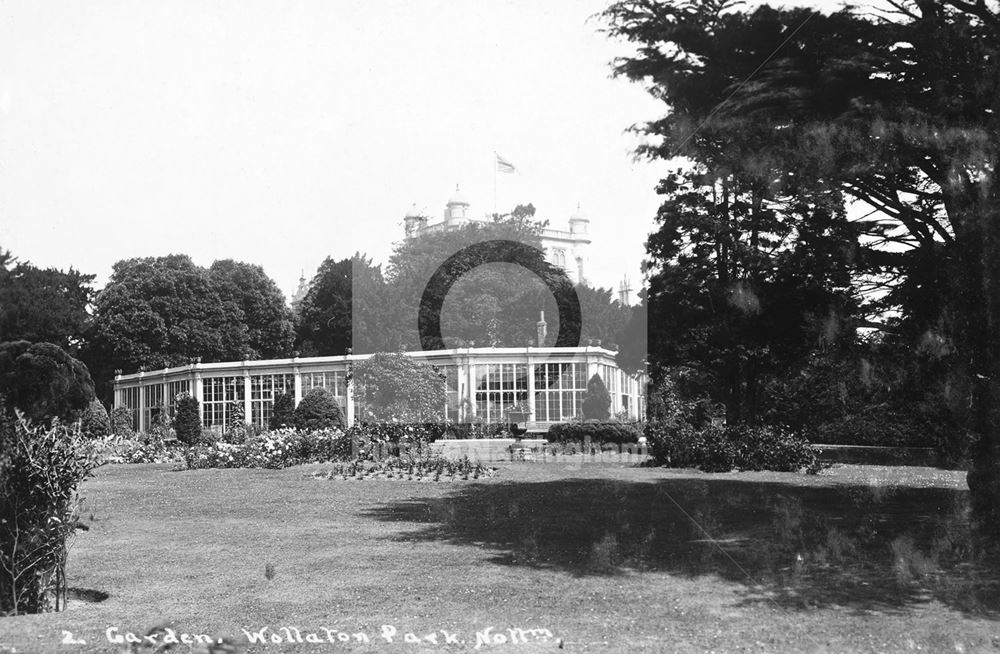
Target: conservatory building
(483,384)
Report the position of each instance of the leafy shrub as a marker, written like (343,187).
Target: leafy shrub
(160,429)
(40,470)
(595,432)
(721,449)
(187,419)
(121,422)
(95,421)
(283,412)
(318,410)
(115,449)
(395,387)
(237,429)
(43,382)
(209,435)
(770,447)
(597,401)
(472,430)
(678,444)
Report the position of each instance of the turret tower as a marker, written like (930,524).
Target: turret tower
(457,210)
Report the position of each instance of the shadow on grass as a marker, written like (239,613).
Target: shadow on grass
(86,595)
(859,547)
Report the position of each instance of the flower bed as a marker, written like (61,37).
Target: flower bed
(118,449)
(427,468)
(273,449)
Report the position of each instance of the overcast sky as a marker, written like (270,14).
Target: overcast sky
(281,133)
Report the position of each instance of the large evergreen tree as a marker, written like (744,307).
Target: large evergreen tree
(43,305)
(329,311)
(901,111)
(43,382)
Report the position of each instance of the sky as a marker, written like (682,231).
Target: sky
(281,133)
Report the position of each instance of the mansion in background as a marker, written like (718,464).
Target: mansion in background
(567,249)
(482,385)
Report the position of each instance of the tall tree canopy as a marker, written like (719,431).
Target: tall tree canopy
(392,387)
(159,312)
(270,330)
(43,305)
(328,313)
(496,304)
(898,109)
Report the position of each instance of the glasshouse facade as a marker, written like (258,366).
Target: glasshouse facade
(483,384)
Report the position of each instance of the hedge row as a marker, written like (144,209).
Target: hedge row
(595,432)
(721,449)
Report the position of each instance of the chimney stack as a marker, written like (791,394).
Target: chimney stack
(542,330)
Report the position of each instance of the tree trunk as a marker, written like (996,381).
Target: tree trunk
(984,474)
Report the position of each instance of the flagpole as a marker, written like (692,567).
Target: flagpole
(495,182)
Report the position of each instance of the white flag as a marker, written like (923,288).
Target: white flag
(503,165)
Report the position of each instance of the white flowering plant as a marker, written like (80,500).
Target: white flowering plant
(270,449)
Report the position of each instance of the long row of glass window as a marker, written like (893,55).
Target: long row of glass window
(559,392)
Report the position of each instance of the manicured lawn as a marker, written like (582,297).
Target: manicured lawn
(606,557)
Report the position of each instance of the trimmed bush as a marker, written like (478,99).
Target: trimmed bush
(283,412)
(597,432)
(874,427)
(318,410)
(469,430)
(597,401)
(721,449)
(771,447)
(43,381)
(95,421)
(679,445)
(187,419)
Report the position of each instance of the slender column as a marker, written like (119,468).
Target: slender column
(349,389)
(298,385)
(246,396)
(531,385)
(592,368)
(198,390)
(142,403)
(471,377)
(461,374)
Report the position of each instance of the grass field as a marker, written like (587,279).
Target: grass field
(606,557)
